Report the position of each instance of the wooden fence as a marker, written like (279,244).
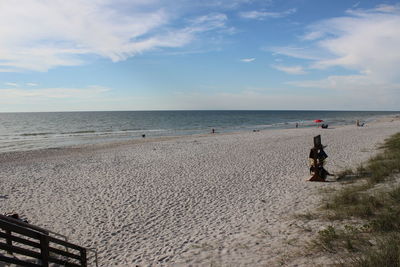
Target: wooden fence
(29,245)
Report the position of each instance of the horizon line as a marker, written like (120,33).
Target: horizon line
(177,110)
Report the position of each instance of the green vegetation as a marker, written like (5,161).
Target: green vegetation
(371,235)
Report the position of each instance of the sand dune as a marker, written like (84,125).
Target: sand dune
(225,199)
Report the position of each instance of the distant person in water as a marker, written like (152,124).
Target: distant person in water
(297,125)
(213,130)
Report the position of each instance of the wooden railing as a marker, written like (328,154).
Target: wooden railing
(36,246)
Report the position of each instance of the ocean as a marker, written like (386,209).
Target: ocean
(29,131)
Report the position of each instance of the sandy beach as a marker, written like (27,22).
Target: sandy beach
(223,199)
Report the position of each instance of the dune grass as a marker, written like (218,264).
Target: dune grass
(373,237)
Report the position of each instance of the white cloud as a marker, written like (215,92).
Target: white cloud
(355,83)
(210,21)
(222,4)
(247,60)
(364,41)
(51,93)
(31,84)
(58,99)
(100,98)
(388,8)
(11,84)
(18,85)
(290,69)
(297,52)
(50,33)
(272,99)
(261,15)
(364,92)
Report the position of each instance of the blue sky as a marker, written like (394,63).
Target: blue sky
(181,55)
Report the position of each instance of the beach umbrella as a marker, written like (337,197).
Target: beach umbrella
(318,121)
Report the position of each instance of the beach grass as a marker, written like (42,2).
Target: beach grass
(372,208)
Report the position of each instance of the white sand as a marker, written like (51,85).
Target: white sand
(217,199)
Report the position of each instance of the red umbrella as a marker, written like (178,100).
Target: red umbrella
(318,121)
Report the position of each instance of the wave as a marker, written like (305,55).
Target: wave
(49,133)
(34,134)
(79,132)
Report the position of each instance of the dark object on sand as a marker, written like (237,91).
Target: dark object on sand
(324,126)
(16,216)
(360,124)
(318,157)
(143,135)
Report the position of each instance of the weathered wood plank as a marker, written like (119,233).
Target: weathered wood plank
(64,243)
(64,253)
(17,261)
(23,224)
(19,229)
(21,251)
(20,240)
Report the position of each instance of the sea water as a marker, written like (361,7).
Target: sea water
(28,131)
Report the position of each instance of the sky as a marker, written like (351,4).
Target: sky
(83,55)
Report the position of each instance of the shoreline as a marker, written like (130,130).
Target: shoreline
(139,140)
(114,139)
(215,198)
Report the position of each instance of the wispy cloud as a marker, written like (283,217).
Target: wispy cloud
(270,98)
(51,93)
(47,33)
(364,41)
(59,99)
(297,52)
(247,60)
(290,69)
(388,8)
(351,41)
(11,84)
(14,84)
(347,82)
(261,15)
(31,84)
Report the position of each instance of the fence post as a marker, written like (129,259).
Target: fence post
(44,250)
(9,241)
(83,257)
